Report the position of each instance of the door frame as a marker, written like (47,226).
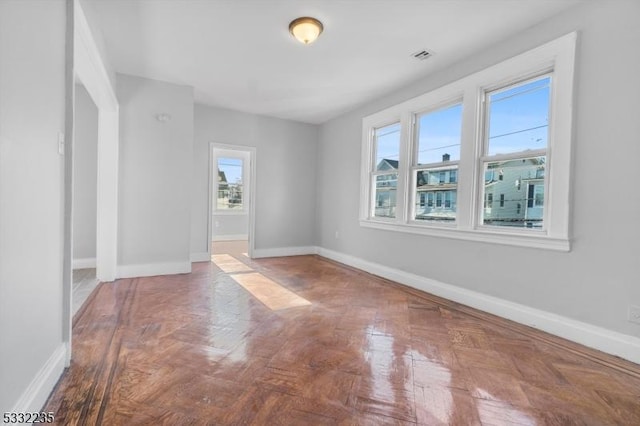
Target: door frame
(85,64)
(252,191)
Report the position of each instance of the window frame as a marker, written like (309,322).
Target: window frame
(440,166)
(485,158)
(556,58)
(221,153)
(372,173)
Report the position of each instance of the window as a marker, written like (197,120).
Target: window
(488,204)
(423,198)
(434,164)
(517,122)
(385,173)
(535,195)
(437,143)
(229,184)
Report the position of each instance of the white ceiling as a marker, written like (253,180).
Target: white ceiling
(238,54)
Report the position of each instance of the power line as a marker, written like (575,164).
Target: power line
(518,131)
(439,147)
(388,133)
(524,92)
(457,144)
(383,157)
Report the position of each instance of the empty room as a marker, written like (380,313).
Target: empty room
(305,212)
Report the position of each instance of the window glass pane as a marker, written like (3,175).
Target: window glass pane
(519,117)
(229,184)
(385,197)
(439,135)
(436,193)
(520,191)
(387,147)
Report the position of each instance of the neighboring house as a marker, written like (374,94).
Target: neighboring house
(223,185)
(386,187)
(223,191)
(436,192)
(229,195)
(435,196)
(514,193)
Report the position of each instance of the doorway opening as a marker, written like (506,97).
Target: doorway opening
(231,200)
(85,200)
(84,65)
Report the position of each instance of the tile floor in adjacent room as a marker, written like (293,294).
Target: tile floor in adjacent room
(84,282)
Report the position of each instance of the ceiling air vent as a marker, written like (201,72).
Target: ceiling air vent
(422,55)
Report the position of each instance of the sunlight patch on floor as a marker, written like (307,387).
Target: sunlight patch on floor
(229,264)
(272,294)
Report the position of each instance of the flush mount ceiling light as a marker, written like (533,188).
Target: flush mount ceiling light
(306,29)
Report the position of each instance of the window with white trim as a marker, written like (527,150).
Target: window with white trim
(486,158)
(386,145)
(515,152)
(435,166)
(229,185)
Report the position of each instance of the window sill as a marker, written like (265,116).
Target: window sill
(532,239)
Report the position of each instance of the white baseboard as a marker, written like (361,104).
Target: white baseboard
(89,262)
(36,394)
(152,269)
(284,251)
(608,341)
(200,257)
(234,237)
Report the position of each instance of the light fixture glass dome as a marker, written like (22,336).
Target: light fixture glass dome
(306,29)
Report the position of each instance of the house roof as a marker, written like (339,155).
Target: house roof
(390,164)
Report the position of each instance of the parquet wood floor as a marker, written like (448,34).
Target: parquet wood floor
(200,349)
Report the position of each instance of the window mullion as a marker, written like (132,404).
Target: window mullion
(366,160)
(404,168)
(470,147)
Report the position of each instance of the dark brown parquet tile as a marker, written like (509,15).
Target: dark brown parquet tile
(199,349)
(497,386)
(499,413)
(429,373)
(440,405)
(624,406)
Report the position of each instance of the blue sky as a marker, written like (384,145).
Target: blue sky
(232,168)
(388,142)
(518,120)
(439,133)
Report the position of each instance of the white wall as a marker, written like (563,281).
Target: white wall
(85,175)
(156,161)
(32,113)
(228,226)
(285,176)
(598,279)
(93,20)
